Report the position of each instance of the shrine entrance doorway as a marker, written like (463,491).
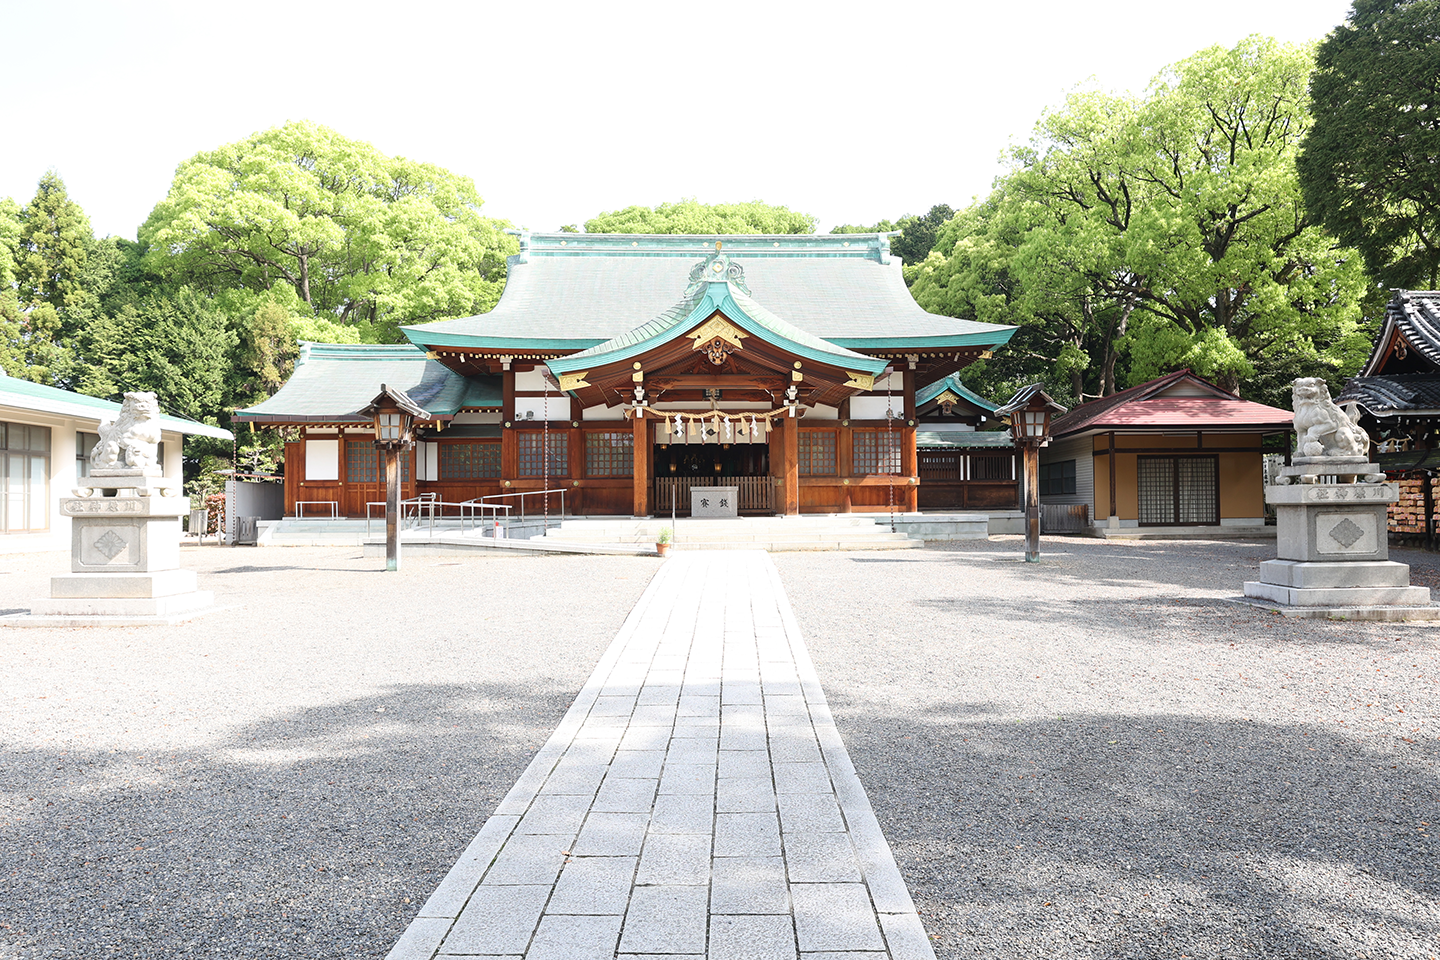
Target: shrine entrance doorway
(681,466)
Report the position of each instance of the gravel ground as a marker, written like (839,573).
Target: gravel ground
(288,777)
(1101,756)
(1096,756)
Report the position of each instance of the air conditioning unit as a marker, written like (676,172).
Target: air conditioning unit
(249,532)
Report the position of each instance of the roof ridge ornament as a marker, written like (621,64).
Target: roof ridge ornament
(717,268)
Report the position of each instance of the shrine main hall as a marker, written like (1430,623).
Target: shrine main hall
(626,369)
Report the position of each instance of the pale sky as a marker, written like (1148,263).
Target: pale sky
(852,112)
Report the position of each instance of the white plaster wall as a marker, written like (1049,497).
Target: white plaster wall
(603,413)
(476,417)
(531,380)
(537,408)
(322,459)
(873,408)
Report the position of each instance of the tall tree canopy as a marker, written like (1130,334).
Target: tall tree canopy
(917,232)
(360,238)
(1137,235)
(1370,166)
(691,216)
(54,272)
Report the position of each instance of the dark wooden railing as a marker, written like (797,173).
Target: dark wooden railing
(755,493)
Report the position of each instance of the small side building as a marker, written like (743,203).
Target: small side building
(46,435)
(964,465)
(1174,456)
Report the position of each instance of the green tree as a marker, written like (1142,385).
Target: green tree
(55,243)
(361,238)
(59,271)
(1147,234)
(179,346)
(917,233)
(11,322)
(691,216)
(1370,165)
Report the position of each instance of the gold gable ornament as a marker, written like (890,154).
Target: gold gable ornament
(718,337)
(860,381)
(573,381)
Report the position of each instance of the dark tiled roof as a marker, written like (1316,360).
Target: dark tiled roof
(1388,395)
(1406,460)
(1415,314)
(333,382)
(568,291)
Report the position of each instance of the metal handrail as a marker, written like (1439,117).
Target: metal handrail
(522,494)
(430,507)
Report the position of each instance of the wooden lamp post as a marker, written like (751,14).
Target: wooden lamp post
(394,415)
(1029,412)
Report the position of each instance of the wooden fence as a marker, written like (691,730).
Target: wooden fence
(756,493)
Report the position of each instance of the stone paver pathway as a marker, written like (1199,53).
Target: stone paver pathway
(696,801)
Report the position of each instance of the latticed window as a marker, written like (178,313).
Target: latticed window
(939,465)
(817,453)
(365,464)
(609,453)
(1057,479)
(24,477)
(1178,490)
(877,451)
(469,461)
(533,458)
(993,467)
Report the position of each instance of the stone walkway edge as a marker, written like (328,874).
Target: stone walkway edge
(508,905)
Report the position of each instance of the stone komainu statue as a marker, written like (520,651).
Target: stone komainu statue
(1323,429)
(128,443)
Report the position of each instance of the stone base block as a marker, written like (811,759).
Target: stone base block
(1339,574)
(82,607)
(1337,596)
(1384,613)
(165,583)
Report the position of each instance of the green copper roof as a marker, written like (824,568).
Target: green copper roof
(703,298)
(964,439)
(24,395)
(952,383)
(334,382)
(567,291)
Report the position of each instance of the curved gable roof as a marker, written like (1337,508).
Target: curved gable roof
(1415,315)
(706,297)
(568,291)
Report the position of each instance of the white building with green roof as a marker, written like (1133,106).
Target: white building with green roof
(45,438)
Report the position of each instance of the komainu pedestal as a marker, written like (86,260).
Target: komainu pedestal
(125,535)
(1332,548)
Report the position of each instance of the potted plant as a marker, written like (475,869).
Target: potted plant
(662,541)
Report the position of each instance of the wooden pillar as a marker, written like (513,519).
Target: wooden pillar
(910,458)
(790,465)
(642,463)
(392,508)
(1032,502)
(1113,519)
